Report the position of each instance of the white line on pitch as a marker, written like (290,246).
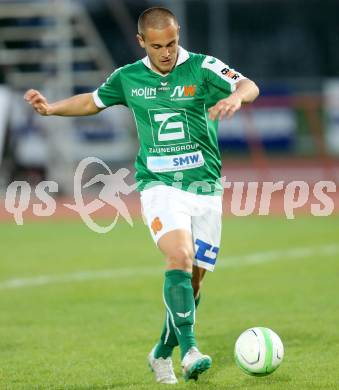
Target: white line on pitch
(282,254)
(224,262)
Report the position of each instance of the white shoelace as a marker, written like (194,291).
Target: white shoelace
(164,367)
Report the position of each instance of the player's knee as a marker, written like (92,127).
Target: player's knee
(182,253)
(181,258)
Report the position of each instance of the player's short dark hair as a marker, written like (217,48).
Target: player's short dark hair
(155,17)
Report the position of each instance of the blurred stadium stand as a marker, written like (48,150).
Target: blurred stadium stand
(289,47)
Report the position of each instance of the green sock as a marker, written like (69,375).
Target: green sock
(179,300)
(168,339)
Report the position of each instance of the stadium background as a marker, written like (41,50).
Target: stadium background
(57,277)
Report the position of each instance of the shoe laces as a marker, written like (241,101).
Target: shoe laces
(191,355)
(194,351)
(164,366)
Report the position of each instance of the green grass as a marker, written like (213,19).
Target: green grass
(96,333)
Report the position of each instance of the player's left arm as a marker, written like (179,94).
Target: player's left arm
(246,91)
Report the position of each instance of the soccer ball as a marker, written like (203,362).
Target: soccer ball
(258,351)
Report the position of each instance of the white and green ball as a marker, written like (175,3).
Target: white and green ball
(258,351)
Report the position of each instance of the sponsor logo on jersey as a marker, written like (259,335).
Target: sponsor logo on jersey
(178,162)
(173,149)
(186,160)
(164,86)
(221,70)
(184,91)
(169,127)
(229,73)
(146,92)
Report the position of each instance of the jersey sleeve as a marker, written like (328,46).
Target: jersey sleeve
(110,92)
(219,75)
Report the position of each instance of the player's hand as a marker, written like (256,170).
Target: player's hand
(226,107)
(38,102)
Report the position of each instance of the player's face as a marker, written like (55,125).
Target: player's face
(161,47)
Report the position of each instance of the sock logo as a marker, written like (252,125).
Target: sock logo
(184,315)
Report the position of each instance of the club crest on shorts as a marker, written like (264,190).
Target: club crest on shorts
(156,225)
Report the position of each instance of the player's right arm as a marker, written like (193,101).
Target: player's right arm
(78,105)
(108,94)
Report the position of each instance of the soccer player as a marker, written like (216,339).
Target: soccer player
(176,98)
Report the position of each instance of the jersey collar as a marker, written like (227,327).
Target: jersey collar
(183,56)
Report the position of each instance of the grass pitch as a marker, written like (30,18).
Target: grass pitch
(80,310)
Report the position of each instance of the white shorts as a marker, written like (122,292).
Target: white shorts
(167,208)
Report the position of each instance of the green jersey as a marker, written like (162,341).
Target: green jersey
(171,116)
